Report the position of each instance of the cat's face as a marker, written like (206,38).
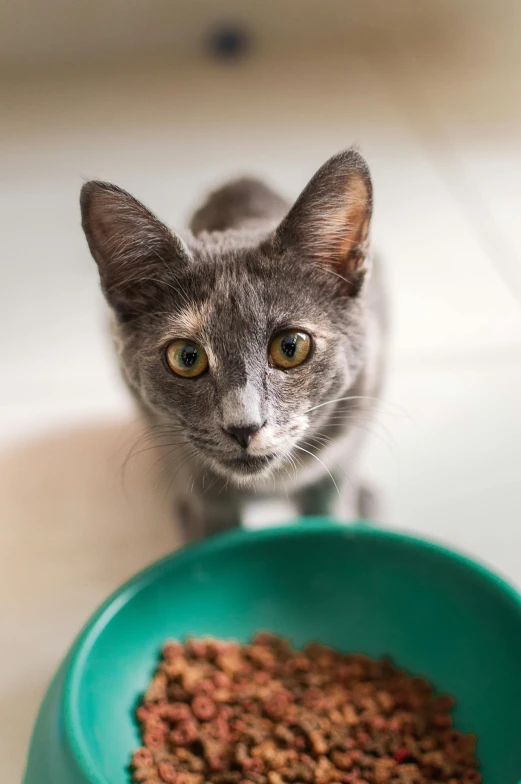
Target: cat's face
(233,341)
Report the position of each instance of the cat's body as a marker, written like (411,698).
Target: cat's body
(250,271)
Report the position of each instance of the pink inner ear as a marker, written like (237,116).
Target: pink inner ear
(345,226)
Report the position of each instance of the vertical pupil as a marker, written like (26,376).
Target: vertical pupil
(188,356)
(289,345)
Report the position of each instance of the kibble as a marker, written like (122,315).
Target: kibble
(223,713)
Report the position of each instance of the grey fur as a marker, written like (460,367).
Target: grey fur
(249,268)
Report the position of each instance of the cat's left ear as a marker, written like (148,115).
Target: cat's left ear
(329,222)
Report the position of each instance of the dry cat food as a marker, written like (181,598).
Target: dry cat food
(267,714)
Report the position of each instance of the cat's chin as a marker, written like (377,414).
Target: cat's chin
(246,471)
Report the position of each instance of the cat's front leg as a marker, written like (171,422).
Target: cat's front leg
(342,499)
(321,499)
(202,516)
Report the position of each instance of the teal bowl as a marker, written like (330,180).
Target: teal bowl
(353,587)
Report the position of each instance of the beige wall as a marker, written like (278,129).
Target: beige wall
(36,33)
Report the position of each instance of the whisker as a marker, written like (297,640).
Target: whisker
(189,456)
(145,438)
(355,421)
(322,464)
(357,397)
(287,455)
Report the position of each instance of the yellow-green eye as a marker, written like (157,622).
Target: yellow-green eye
(186,358)
(289,349)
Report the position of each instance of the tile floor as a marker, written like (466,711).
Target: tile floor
(442,132)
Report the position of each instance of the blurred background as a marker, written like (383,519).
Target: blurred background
(167,98)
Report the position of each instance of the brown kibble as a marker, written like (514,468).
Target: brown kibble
(299,663)
(193,762)
(196,648)
(262,656)
(383,771)
(471,777)
(205,687)
(145,774)
(443,703)
(350,715)
(172,650)
(231,662)
(185,733)
(174,712)
(277,706)
(408,774)
(324,771)
(378,723)
(318,743)
(342,760)
(219,729)
(189,778)
(219,713)
(254,765)
(203,707)
(167,772)
(385,700)
(173,668)
(442,720)
(142,758)
(221,680)
(145,713)
(215,763)
(156,692)
(192,675)
(154,739)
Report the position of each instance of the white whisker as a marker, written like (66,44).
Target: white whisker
(355,397)
(323,466)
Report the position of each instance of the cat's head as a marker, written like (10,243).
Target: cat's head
(233,340)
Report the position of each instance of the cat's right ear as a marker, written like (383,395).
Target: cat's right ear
(329,222)
(135,252)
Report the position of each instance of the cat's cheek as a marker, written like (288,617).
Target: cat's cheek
(273,437)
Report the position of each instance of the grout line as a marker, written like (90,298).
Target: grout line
(431,136)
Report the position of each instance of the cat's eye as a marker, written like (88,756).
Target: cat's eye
(186,358)
(289,349)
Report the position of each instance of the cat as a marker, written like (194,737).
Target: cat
(255,344)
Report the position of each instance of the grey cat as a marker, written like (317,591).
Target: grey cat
(255,344)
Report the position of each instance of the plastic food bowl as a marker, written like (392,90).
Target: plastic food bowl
(353,587)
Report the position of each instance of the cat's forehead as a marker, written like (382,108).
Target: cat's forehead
(229,293)
(247,294)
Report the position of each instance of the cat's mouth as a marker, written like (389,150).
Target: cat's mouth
(248,464)
(244,468)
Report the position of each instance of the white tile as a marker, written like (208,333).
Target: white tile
(452,469)
(459,95)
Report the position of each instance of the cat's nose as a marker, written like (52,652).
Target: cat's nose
(243,434)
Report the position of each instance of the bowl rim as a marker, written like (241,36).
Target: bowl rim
(301,527)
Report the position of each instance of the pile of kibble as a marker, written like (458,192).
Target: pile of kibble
(267,714)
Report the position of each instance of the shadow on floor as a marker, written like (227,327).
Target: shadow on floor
(72,528)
